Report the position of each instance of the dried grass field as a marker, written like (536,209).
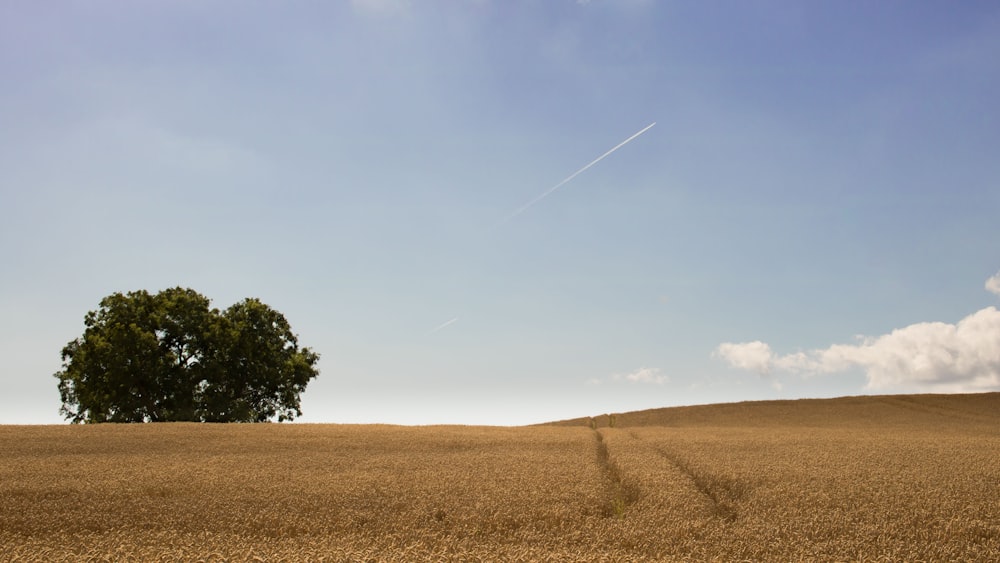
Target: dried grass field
(896,478)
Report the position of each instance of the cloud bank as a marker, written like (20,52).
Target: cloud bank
(929,356)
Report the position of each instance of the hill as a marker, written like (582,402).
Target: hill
(842,412)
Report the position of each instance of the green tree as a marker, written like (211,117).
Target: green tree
(170,357)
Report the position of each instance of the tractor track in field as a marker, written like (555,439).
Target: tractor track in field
(722,492)
(619,492)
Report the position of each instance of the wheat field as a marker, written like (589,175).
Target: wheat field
(895,478)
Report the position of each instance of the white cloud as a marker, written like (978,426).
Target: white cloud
(930,356)
(962,357)
(752,356)
(993,284)
(642,375)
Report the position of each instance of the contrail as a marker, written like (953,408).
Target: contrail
(439,327)
(524,207)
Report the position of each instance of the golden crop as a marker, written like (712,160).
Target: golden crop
(875,478)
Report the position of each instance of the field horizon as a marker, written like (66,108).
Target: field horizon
(826,411)
(750,412)
(867,478)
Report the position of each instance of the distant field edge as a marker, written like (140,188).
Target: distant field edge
(850,411)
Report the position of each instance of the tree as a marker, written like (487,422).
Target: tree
(169,357)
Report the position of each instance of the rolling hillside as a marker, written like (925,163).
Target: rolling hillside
(981,409)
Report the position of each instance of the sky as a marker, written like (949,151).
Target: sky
(814,213)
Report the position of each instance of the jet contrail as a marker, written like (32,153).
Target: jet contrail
(524,207)
(439,327)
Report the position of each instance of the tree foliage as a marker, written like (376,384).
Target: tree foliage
(170,357)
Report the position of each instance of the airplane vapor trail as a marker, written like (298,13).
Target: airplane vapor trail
(442,325)
(524,207)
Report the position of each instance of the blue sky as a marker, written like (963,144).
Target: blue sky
(814,213)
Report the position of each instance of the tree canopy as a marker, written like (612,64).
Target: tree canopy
(170,357)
